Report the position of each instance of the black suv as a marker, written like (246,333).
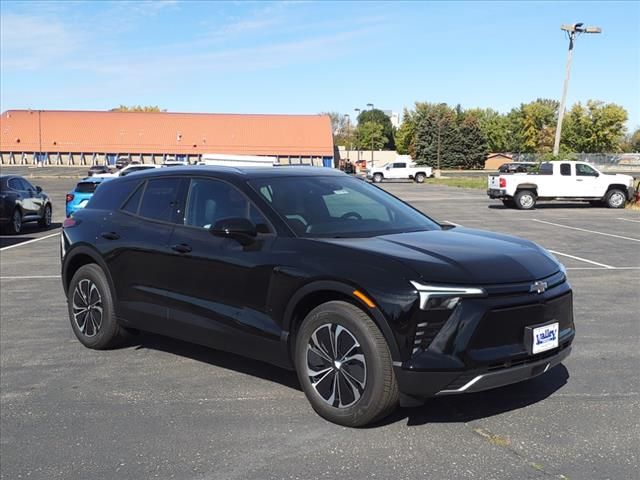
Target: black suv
(368,299)
(21,202)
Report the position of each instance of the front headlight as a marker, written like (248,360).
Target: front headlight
(444,297)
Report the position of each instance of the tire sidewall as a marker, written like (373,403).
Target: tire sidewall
(420,178)
(610,194)
(109,328)
(12,225)
(334,312)
(523,193)
(377,178)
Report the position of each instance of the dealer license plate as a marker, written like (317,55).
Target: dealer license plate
(545,338)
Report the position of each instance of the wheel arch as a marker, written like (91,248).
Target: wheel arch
(316,293)
(618,186)
(78,257)
(527,186)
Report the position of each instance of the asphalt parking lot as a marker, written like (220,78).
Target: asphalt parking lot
(161,408)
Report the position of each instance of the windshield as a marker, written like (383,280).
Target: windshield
(339,207)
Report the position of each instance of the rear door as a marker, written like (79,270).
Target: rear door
(135,244)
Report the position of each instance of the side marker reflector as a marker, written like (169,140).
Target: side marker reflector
(367,301)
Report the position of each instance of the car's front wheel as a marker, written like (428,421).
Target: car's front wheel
(377,178)
(91,309)
(344,365)
(615,199)
(419,178)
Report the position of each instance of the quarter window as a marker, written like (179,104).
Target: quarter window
(159,199)
(15,184)
(134,201)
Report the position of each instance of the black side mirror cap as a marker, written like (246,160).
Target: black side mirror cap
(38,189)
(240,229)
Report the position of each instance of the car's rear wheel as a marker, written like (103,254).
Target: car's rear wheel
(377,178)
(344,365)
(15,224)
(45,221)
(615,198)
(525,199)
(419,178)
(91,309)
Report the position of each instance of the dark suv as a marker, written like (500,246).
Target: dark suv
(368,299)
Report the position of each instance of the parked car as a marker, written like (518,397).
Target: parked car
(517,167)
(97,169)
(369,300)
(131,168)
(398,170)
(79,196)
(563,180)
(21,202)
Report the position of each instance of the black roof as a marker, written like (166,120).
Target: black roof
(242,172)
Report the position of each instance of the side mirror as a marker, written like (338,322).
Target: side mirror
(38,189)
(388,167)
(240,229)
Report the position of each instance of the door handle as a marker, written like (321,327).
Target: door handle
(579,180)
(181,248)
(110,235)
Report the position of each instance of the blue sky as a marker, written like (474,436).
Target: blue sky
(308,57)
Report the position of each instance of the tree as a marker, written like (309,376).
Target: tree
(137,108)
(405,135)
(494,126)
(538,125)
(438,137)
(594,128)
(473,147)
(631,143)
(341,128)
(378,116)
(371,134)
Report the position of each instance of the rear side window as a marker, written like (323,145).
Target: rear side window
(546,169)
(159,199)
(565,169)
(110,195)
(15,184)
(86,187)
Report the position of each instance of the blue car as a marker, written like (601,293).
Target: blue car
(82,192)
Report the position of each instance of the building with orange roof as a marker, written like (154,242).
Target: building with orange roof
(56,137)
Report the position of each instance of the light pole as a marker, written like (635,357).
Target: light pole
(370,105)
(572,32)
(346,115)
(357,110)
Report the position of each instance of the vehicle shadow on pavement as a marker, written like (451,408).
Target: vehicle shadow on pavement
(547,206)
(474,406)
(217,358)
(28,230)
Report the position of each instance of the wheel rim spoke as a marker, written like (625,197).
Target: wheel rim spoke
(336,365)
(87,308)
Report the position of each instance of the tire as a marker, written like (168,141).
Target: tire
(368,390)
(509,203)
(96,329)
(45,221)
(14,227)
(419,178)
(525,200)
(377,178)
(615,198)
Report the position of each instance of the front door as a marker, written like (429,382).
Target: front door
(219,286)
(586,181)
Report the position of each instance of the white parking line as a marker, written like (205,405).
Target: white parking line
(28,277)
(29,241)
(628,220)
(588,231)
(583,259)
(601,268)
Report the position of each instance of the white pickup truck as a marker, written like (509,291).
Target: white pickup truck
(561,180)
(398,170)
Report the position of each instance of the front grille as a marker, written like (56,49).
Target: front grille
(531,359)
(505,326)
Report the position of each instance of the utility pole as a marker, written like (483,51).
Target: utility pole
(572,32)
(370,105)
(348,133)
(357,110)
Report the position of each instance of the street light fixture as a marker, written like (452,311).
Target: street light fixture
(572,32)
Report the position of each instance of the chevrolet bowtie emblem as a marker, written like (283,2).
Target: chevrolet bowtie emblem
(538,287)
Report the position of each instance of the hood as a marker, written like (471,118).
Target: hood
(623,179)
(462,255)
